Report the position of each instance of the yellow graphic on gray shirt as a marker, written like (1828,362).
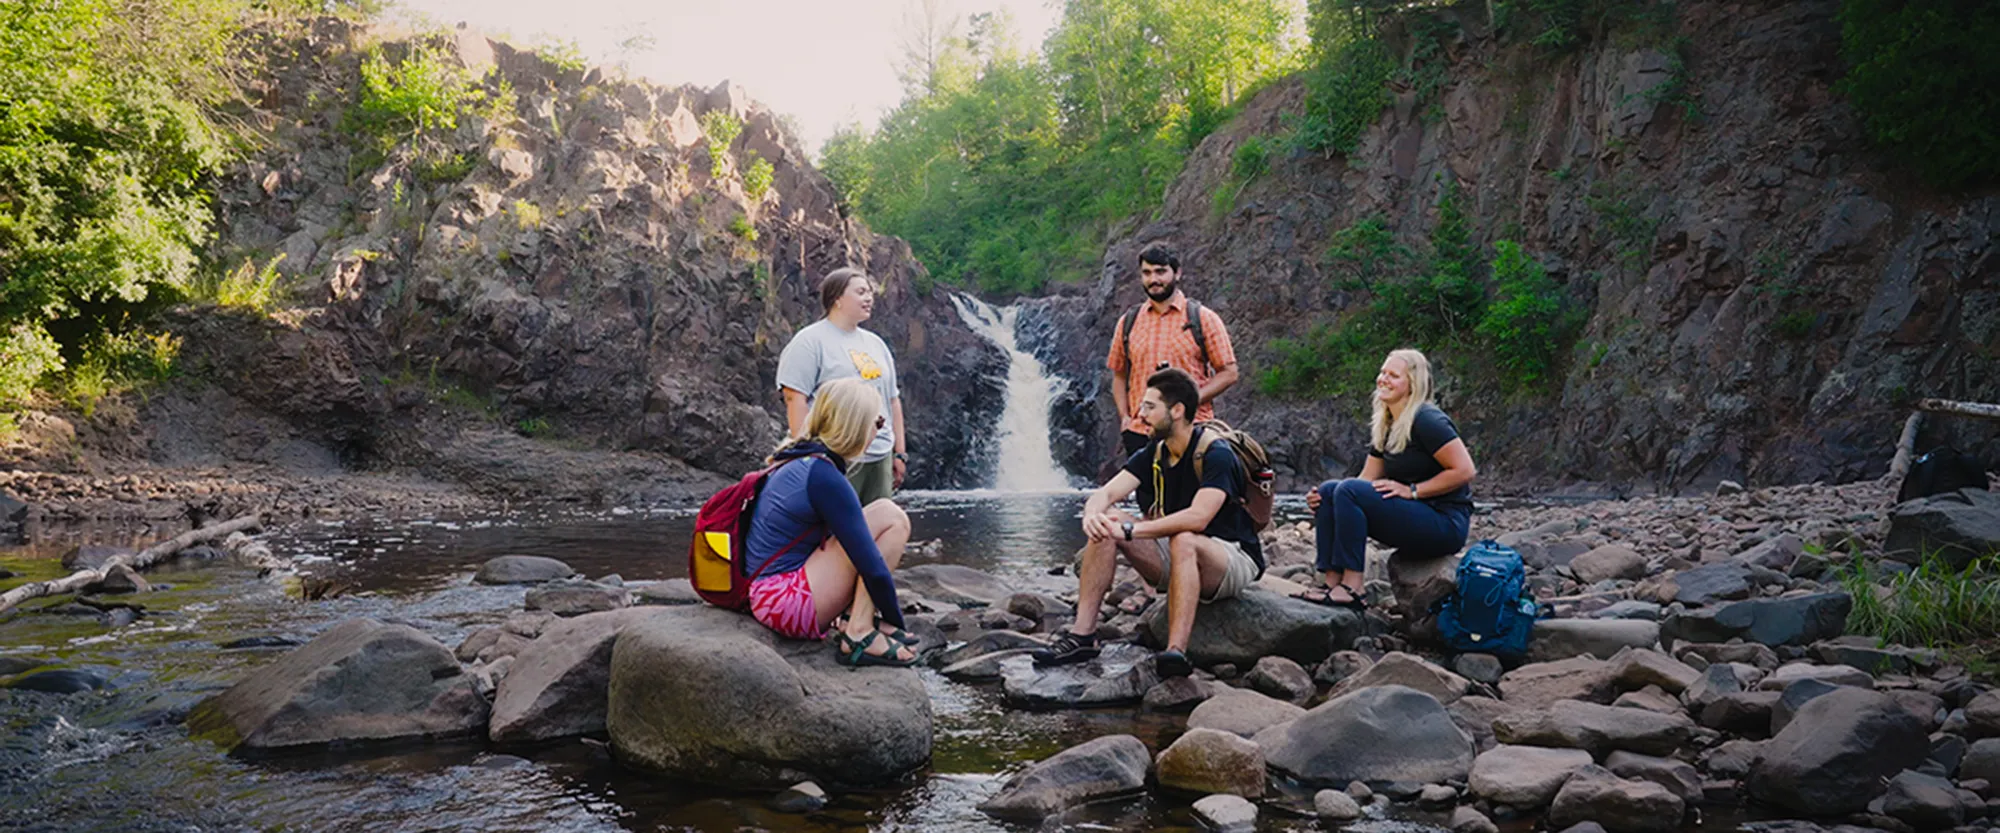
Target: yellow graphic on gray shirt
(865,365)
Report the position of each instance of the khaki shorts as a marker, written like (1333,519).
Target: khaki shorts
(1240,573)
(873,481)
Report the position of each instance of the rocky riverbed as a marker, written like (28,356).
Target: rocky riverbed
(1698,667)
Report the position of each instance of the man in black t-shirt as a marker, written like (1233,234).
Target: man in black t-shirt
(1196,541)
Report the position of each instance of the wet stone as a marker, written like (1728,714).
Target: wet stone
(1121,674)
(1336,806)
(255,642)
(60,681)
(800,798)
(1176,695)
(521,569)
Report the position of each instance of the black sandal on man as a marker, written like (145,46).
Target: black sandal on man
(854,654)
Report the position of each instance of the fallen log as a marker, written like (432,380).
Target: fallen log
(1906,447)
(1971,409)
(138,561)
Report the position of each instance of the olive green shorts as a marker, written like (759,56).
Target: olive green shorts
(873,481)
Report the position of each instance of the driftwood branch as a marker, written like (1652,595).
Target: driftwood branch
(1971,409)
(1906,447)
(138,561)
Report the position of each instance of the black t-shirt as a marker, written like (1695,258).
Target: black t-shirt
(1417,462)
(1219,471)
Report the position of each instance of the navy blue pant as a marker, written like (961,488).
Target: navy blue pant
(1351,512)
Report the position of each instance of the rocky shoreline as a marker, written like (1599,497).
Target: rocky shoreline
(1699,657)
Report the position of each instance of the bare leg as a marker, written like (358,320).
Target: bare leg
(1199,566)
(837,587)
(1093,576)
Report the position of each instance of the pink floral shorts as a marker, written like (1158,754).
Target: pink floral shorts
(784,603)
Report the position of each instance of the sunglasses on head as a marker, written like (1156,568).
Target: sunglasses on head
(881,421)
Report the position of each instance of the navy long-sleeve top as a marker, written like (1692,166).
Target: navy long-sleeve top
(802,501)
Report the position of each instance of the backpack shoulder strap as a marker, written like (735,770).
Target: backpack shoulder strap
(1194,329)
(1125,324)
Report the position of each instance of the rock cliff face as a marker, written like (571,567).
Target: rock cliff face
(583,273)
(1766,297)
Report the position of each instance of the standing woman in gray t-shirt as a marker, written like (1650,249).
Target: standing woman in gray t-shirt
(835,347)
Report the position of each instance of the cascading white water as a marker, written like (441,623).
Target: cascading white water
(1026,463)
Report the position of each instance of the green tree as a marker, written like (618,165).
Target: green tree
(1923,74)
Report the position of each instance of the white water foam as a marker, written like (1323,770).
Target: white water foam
(1026,463)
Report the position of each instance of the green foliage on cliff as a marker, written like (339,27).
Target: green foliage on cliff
(721,127)
(1433,296)
(1923,74)
(1008,169)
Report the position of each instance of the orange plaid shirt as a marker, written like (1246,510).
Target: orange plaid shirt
(1164,337)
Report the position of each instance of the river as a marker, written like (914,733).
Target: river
(119,759)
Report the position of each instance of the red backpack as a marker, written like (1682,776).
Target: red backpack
(720,530)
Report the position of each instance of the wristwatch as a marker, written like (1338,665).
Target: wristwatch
(903,456)
(1127,526)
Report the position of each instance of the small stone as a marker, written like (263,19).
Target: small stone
(1469,820)
(1480,668)
(1359,791)
(1282,678)
(1212,761)
(1437,795)
(800,798)
(1178,695)
(1336,806)
(1227,813)
(1727,488)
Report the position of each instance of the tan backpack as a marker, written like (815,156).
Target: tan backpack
(1257,489)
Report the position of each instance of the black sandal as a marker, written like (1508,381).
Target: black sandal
(852,654)
(1323,596)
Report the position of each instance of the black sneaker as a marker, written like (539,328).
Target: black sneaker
(1068,648)
(1171,663)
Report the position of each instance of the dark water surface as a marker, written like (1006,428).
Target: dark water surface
(119,760)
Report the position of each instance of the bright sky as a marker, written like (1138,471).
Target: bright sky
(824,62)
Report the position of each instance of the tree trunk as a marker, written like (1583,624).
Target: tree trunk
(138,561)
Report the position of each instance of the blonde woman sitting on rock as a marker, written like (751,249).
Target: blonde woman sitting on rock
(1412,493)
(814,552)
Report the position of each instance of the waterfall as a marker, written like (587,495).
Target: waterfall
(1025,462)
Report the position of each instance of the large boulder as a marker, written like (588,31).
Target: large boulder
(1403,669)
(560,683)
(1542,683)
(362,680)
(1676,775)
(1418,582)
(1258,624)
(1597,729)
(521,569)
(1982,714)
(1639,667)
(1121,673)
(1594,794)
(1212,761)
(1954,527)
(1837,752)
(1925,802)
(1524,777)
(1556,639)
(1242,712)
(1723,581)
(1380,734)
(1105,767)
(710,695)
(1787,620)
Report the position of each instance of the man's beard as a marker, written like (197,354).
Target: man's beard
(1163,430)
(1164,292)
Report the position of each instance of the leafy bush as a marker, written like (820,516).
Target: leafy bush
(741,227)
(246,286)
(26,354)
(1529,323)
(1922,75)
(758,177)
(1346,92)
(423,92)
(563,53)
(721,128)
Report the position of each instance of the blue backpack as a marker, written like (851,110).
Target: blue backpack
(1491,611)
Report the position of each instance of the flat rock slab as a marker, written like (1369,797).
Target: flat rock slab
(670,593)
(1595,728)
(1786,620)
(1242,712)
(955,585)
(1258,624)
(521,569)
(1122,673)
(1386,733)
(1558,639)
(709,695)
(1540,684)
(362,680)
(1955,527)
(1108,766)
(1524,777)
(1398,668)
(1594,794)
(575,597)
